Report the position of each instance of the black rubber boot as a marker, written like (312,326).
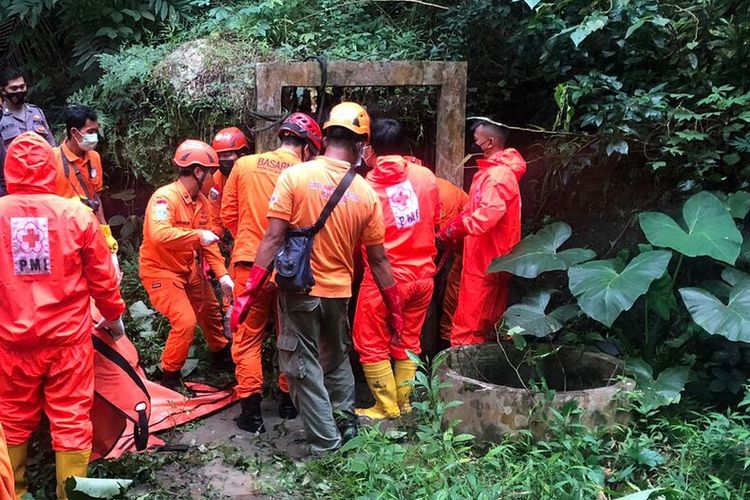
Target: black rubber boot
(172,380)
(348,427)
(222,359)
(251,418)
(286,407)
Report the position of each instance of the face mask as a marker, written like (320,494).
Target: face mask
(225,167)
(88,141)
(16,97)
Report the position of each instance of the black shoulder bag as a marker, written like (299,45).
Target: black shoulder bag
(293,269)
(86,198)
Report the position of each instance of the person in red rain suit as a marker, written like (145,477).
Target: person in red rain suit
(490,227)
(53,260)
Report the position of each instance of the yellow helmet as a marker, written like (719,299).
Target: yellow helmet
(351,116)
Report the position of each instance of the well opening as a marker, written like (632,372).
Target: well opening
(566,369)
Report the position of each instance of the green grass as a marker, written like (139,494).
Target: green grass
(685,455)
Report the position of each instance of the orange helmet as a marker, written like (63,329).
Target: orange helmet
(192,152)
(351,116)
(229,139)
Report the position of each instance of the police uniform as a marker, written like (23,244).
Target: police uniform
(11,126)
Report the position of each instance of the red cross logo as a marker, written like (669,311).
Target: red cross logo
(401,197)
(31,239)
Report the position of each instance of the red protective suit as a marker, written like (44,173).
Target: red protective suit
(411,212)
(492,221)
(53,259)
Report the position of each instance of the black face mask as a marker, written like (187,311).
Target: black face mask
(15,97)
(225,167)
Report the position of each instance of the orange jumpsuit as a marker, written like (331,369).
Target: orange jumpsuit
(452,202)
(243,211)
(492,221)
(172,274)
(213,190)
(53,260)
(411,211)
(7,486)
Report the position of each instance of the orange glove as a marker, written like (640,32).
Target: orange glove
(394,318)
(243,303)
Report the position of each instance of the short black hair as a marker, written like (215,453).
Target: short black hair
(496,131)
(341,135)
(388,137)
(8,74)
(76,117)
(289,139)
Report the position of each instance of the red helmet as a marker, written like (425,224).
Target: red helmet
(304,127)
(229,139)
(192,152)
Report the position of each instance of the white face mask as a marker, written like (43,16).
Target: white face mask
(88,141)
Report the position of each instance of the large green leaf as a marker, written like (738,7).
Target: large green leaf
(711,231)
(739,204)
(537,253)
(662,391)
(661,297)
(641,495)
(530,315)
(745,251)
(604,290)
(731,320)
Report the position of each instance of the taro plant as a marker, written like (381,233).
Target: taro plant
(646,287)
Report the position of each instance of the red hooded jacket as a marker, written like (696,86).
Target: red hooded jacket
(53,258)
(492,218)
(411,212)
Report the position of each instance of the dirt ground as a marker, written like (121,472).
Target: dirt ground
(234,463)
(221,461)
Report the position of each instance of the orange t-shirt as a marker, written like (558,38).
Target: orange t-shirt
(244,200)
(453,200)
(171,241)
(301,193)
(90,166)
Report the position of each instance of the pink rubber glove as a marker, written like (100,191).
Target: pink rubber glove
(243,303)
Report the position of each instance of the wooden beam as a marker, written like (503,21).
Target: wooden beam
(450,77)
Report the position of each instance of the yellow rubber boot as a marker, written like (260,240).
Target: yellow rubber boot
(17,454)
(404,372)
(383,387)
(70,463)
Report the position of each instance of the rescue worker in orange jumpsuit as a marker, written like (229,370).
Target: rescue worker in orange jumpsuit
(244,207)
(7,488)
(79,167)
(490,227)
(314,329)
(409,196)
(52,262)
(177,237)
(231,144)
(453,199)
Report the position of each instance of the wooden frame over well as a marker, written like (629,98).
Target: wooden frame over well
(449,77)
